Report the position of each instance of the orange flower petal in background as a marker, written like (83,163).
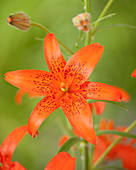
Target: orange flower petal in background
(99,107)
(20,93)
(124,150)
(10,143)
(133,73)
(100,91)
(127,153)
(62,160)
(62,140)
(18,97)
(82,63)
(77,110)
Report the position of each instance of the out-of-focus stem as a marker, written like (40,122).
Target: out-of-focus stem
(48,31)
(102,15)
(85,158)
(88,10)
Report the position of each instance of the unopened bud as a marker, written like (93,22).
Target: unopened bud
(82,21)
(19,20)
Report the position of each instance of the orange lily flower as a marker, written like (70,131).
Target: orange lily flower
(65,86)
(8,146)
(62,160)
(133,73)
(124,150)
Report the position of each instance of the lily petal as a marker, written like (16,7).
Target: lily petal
(17,166)
(42,110)
(125,95)
(99,107)
(20,93)
(133,73)
(77,110)
(53,55)
(100,91)
(18,97)
(62,160)
(36,81)
(10,143)
(129,162)
(82,63)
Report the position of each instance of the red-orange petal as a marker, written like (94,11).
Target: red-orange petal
(42,110)
(62,160)
(53,55)
(103,123)
(17,166)
(125,95)
(133,73)
(99,107)
(82,63)
(62,140)
(36,81)
(77,110)
(100,91)
(18,97)
(128,156)
(10,143)
(20,93)
(110,125)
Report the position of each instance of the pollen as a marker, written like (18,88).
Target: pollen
(64,87)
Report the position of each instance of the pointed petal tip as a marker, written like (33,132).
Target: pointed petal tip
(94,140)
(49,35)
(10,76)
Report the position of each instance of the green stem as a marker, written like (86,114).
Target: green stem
(64,129)
(91,156)
(112,145)
(88,10)
(85,156)
(48,31)
(102,15)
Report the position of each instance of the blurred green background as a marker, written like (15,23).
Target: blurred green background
(19,50)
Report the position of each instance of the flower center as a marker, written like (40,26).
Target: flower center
(63,87)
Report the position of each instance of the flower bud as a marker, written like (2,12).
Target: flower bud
(82,21)
(19,20)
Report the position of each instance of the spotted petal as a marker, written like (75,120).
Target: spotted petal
(17,166)
(79,115)
(36,81)
(62,160)
(43,109)
(100,91)
(99,107)
(82,63)
(10,143)
(53,55)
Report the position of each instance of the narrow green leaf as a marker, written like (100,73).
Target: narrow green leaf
(116,25)
(115,132)
(103,18)
(68,144)
(115,103)
(109,167)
